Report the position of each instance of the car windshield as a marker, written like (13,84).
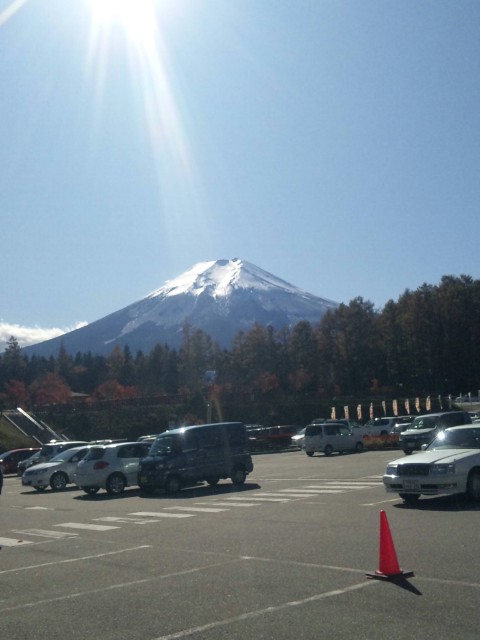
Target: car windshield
(456,439)
(425,422)
(60,457)
(165,445)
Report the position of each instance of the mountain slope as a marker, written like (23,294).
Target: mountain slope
(220,297)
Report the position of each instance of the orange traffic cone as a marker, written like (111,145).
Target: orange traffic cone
(388,568)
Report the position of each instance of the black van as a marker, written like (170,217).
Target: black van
(198,453)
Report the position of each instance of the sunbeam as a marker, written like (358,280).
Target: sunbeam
(141,23)
(11,10)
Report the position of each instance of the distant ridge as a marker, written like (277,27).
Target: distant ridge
(220,297)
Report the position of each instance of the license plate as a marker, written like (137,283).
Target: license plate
(410,443)
(411,485)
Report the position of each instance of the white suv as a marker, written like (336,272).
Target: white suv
(111,467)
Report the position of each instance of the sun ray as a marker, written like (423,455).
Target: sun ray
(141,23)
(11,10)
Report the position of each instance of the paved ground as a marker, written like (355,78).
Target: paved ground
(285,557)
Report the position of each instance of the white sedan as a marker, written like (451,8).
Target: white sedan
(57,472)
(450,464)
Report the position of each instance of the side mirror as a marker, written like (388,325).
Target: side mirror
(423,447)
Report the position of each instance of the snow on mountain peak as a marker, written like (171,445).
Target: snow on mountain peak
(219,277)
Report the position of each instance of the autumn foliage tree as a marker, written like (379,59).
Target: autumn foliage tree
(50,389)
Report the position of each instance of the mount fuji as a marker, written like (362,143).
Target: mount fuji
(220,297)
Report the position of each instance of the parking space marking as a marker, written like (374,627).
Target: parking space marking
(326,490)
(231,504)
(261,498)
(69,560)
(124,520)
(256,613)
(90,527)
(294,494)
(162,514)
(200,509)
(46,533)
(13,542)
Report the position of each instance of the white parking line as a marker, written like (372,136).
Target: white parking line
(261,498)
(249,615)
(46,533)
(293,494)
(231,504)
(13,542)
(200,509)
(162,514)
(90,527)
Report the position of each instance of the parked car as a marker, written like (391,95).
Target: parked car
(329,437)
(57,472)
(28,462)
(450,464)
(424,428)
(51,449)
(192,454)
(111,467)
(298,439)
(10,459)
(402,424)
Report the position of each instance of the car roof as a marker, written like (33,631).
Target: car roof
(114,445)
(198,426)
(32,449)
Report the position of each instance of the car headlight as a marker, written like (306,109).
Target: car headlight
(392,469)
(33,472)
(442,469)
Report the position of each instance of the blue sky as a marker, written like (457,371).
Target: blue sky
(333,143)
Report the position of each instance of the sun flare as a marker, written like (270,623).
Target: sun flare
(135,17)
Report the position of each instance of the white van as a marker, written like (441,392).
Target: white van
(329,437)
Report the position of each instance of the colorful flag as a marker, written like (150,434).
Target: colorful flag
(346,412)
(359,412)
(407,406)
(395,407)
(333,414)
(417,404)
(371,410)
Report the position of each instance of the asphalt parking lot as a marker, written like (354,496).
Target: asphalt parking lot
(284,557)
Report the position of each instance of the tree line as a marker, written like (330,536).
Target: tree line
(425,343)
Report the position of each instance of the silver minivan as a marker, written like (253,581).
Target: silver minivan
(329,437)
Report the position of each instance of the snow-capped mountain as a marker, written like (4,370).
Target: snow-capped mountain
(220,297)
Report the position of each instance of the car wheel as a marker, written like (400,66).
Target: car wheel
(309,453)
(409,498)
(115,484)
(359,447)
(407,452)
(90,490)
(473,485)
(328,450)
(59,481)
(173,484)
(213,480)
(40,489)
(238,475)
